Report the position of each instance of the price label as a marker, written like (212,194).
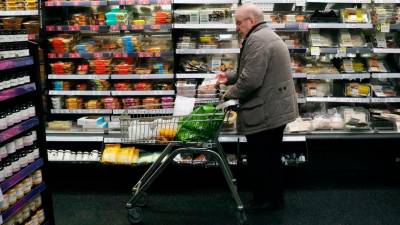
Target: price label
(51,55)
(76,3)
(59,28)
(95,3)
(74,55)
(50,28)
(341,52)
(124,27)
(138,27)
(385,28)
(155,26)
(58,3)
(157,54)
(97,55)
(144,2)
(315,51)
(128,2)
(94,28)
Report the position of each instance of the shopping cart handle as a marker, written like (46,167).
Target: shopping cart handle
(229,103)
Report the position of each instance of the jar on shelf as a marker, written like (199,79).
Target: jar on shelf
(37,177)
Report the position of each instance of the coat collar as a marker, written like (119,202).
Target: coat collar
(256,27)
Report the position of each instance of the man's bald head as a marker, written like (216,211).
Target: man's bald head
(252,11)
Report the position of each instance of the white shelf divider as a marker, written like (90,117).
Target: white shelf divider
(340,1)
(79,77)
(338,99)
(144,111)
(74,138)
(88,93)
(385,75)
(386,50)
(340,25)
(205,26)
(81,111)
(386,100)
(342,76)
(195,75)
(140,93)
(20,13)
(208,51)
(205,2)
(141,76)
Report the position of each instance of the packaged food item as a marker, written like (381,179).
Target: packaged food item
(186,16)
(376,66)
(130,43)
(122,86)
(98,18)
(62,43)
(32,26)
(167,102)
(163,86)
(151,103)
(384,90)
(12,23)
(317,89)
(59,125)
(142,86)
(111,103)
(93,104)
(100,66)
(352,15)
(357,90)
(81,86)
(162,17)
(131,102)
(74,103)
(62,67)
(82,69)
(217,15)
(117,17)
(123,68)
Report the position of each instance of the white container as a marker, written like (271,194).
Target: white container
(19,143)
(11,147)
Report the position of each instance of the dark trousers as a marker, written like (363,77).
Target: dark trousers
(264,152)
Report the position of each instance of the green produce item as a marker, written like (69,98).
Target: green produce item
(201,125)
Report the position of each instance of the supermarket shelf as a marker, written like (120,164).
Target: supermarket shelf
(20,13)
(195,75)
(23,201)
(78,77)
(276,25)
(141,76)
(75,131)
(340,1)
(340,25)
(297,50)
(15,63)
(73,138)
(342,76)
(338,99)
(58,3)
(205,26)
(208,51)
(385,100)
(386,50)
(11,181)
(385,75)
(107,28)
(205,2)
(207,100)
(17,91)
(387,1)
(81,111)
(139,93)
(18,129)
(290,26)
(109,55)
(138,2)
(94,93)
(143,111)
(352,50)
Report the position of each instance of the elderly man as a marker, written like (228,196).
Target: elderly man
(265,89)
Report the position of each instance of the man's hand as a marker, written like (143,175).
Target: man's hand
(221,78)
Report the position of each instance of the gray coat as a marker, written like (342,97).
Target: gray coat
(264,87)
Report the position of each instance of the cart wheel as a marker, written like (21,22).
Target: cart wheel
(142,200)
(241,217)
(135,215)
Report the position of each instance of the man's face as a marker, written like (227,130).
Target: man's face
(244,23)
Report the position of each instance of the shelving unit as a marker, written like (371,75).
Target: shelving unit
(23,95)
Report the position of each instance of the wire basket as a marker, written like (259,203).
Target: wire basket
(155,127)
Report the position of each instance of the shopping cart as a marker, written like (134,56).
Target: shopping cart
(176,133)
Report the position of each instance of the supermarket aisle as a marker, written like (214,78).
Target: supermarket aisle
(377,205)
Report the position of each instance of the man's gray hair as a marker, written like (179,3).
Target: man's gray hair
(252,10)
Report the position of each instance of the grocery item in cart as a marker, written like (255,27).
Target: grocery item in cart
(201,125)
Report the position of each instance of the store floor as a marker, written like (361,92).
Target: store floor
(341,204)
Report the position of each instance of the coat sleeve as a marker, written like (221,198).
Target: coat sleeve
(232,77)
(255,64)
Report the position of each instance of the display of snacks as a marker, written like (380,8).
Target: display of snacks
(111,103)
(217,15)
(186,16)
(62,43)
(151,103)
(117,17)
(62,67)
(93,104)
(283,18)
(142,86)
(123,68)
(167,102)
(122,86)
(381,14)
(100,66)
(74,103)
(357,90)
(352,15)
(131,102)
